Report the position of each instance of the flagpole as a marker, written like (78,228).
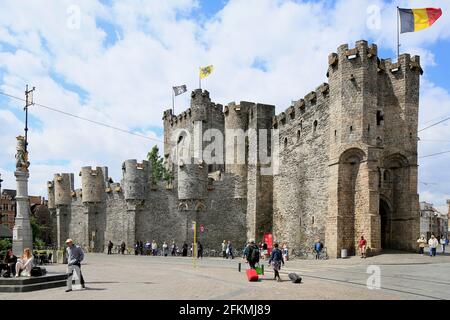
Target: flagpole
(398,33)
(173,102)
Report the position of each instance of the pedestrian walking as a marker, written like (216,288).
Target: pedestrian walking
(252,254)
(433,244)
(122,247)
(318,246)
(285,252)
(362,247)
(443,242)
(185,249)
(174,249)
(230,250)
(199,250)
(154,248)
(165,249)
(110,246)
(136,248)
(141,248)
(224,249)
(276,260)
(75,256)
(422,242)
(148,248)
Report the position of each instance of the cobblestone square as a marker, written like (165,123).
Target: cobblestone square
(124,277)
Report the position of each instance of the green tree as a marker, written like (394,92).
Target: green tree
(158,171)
(5,244)
(37,229)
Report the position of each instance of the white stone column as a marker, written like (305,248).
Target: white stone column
(22,234)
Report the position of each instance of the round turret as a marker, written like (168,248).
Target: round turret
(51,194)
(92,184)
(135,179)
(63,184)
(192,181)
(200,102)
(236,124)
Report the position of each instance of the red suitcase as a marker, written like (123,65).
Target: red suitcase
(252,275)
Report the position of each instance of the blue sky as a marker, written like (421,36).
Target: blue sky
(118,63)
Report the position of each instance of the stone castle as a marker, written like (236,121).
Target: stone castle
(347,166)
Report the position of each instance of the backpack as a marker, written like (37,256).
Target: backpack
(295,278)
(37,272)
(254,255)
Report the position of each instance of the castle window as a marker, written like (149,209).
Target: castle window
(298,134)
(292,115)
(368,128)
(210,168)
(301,124)
(351,129)
(335,133)
(285,142)
(312,220)
(380,118)
(315,126)
(386,176)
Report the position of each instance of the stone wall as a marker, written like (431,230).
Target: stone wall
(347,167)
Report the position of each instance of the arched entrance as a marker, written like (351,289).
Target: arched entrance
(385,227)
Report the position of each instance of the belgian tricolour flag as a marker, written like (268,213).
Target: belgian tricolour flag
(418,19)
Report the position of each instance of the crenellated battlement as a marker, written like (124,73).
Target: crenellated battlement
(317,97)
(63,185)
(93,183)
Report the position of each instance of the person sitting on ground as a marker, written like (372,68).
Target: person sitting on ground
(276,259)
(10,263)
(25,263)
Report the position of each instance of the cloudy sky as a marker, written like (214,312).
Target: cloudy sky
(115,62)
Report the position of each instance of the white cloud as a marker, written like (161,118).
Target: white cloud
(159,44)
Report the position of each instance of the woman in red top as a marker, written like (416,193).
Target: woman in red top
(362,247)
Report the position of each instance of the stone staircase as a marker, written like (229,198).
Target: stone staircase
(25,284)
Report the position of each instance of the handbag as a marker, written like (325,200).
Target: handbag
(259,270)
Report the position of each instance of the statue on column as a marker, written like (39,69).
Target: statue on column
(22,162)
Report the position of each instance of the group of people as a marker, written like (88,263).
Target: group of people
(432,243)
(151,248)
(252,254)
(227,250)
(14,266)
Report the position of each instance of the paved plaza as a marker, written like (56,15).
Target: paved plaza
(122,277)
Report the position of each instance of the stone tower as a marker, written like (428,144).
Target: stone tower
(62,187)
(93,182)
(373,150)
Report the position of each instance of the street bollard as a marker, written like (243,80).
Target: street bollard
(262,269)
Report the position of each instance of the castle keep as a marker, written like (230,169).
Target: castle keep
(346,166)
